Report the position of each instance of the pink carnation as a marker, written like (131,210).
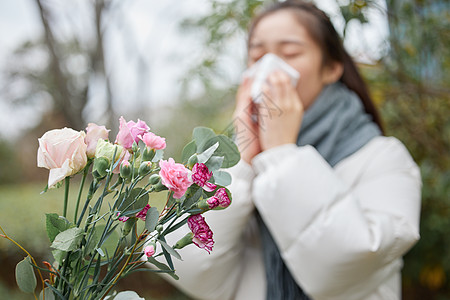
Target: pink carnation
(154,141)
(203,236)
(130,132)
(224,200)
(220,198)
(143,213)
(175,177)
(149,250)
(201,175)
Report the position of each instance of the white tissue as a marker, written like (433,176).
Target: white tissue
(260,70)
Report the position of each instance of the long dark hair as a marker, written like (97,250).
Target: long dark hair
(322,31)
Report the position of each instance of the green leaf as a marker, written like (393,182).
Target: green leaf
(222,178)
(135,202)
(205,155)
(25,278)
(48,294)
(68,240)
(59,255)
(163,267)
(127,295)
(170,249)
(188,150)
(214,163)
(188,202)
(151,220)
(55,224)
(201,136)
(159,154)
(93,241)
(227,149)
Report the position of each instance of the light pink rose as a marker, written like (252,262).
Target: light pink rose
(94,132)
(130,132)
(63,152)
(175,177)
(203,236)
(149,250)
(154,141)
(201,175)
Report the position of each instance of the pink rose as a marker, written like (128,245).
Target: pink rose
(175,177)
(203,236)
(94,132)
(149,250)
(63,152)
(130,132)
(201,175)
(154,141)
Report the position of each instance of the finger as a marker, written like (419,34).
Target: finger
(280,84)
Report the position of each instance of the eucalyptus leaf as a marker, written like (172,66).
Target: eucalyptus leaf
(25,277)
(188,150)
(127,295)
(133,203)
(222,178)
(170,249)
(214,163)
(193,199)
(201,136)
(227,149)
(48,294)
(68,240)
(59,255)
(151,220)
(55,224)
(159,154)
(205,155)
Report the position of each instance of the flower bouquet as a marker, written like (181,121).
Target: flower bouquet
(123,176)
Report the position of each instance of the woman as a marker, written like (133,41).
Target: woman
(324,206)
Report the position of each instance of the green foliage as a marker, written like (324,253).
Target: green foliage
(26,280)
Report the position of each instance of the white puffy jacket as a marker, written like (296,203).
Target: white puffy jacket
(341,231)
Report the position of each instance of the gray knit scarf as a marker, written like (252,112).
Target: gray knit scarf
(337,126)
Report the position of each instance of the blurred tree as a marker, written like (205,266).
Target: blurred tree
(66,67)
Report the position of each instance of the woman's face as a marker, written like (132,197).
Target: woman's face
(281,34)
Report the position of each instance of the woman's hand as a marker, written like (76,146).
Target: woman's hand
(247,137)
(280,113)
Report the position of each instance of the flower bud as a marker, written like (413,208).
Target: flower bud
(203,205)
(150,249)
(128,226)
(154,179)
(184,241)
(159,228)
(192,160)
(101,164)
(125,169)
(159,187)
(148,154)
(135,147)
(145,168)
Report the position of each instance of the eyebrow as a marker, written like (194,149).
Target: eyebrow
(279,43)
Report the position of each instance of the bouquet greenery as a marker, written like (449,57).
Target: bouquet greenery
(104,241)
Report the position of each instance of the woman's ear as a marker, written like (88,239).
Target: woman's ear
(333,72)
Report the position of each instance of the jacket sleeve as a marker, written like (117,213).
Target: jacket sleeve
(216,275)
(339,237)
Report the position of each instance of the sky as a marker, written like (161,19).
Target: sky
(165,53)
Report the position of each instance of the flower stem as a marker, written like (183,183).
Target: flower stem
(80,191)
(66,195)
